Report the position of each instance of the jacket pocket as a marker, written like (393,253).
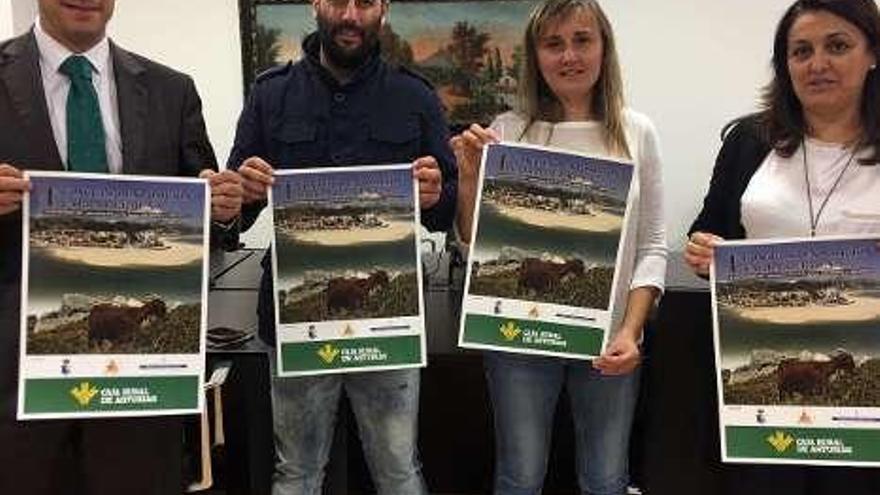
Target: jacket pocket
(296,131)
(394,138)
(296,144)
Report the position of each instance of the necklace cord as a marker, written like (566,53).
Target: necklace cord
(814,218)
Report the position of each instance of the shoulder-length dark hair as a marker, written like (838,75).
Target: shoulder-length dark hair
(781,119)
(537,101)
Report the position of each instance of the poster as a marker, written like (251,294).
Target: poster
(347,270)
(797,342)
(113,296)
(544,262)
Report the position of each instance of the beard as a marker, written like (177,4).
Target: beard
(345,57)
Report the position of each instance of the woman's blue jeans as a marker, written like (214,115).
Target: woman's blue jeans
(524,392)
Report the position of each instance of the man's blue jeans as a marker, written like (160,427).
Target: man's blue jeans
(385,404)
(525,390)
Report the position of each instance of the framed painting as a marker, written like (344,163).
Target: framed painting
(471,50)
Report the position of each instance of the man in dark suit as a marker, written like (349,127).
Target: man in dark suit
(140,118)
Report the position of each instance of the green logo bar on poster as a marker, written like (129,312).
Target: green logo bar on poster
(830,444)
(538,335)
(78,395)
(351,353)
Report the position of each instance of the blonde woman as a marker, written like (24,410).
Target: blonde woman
(571,98)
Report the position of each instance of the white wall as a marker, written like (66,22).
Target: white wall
(692,66)
(23,13)
(198,37)
(5,19)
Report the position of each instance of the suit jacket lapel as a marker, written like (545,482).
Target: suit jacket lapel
(132,100)
(20,73)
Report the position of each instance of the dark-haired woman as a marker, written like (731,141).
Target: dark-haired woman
(805,165)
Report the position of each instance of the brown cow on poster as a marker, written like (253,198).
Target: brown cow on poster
(349,293)
(118,323)
(541,276)
(811,378)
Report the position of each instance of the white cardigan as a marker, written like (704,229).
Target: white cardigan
(644,251)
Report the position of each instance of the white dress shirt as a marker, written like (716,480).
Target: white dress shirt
(56,86)
(775,202)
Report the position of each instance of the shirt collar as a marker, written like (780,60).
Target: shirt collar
(53,53)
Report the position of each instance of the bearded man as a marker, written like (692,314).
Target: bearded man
(342,105)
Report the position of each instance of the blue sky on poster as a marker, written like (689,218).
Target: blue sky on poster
(799,259)
(118,199)
(341,186)
(556,168)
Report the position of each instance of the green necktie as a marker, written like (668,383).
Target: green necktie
(85,130)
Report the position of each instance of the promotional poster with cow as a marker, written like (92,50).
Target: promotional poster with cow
(113,296)
(797,346)
(347,270)
(545,254)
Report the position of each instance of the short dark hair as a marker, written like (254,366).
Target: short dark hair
(781,118)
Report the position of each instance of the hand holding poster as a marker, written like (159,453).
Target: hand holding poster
(113,290)
(544,261)
(797,342)
(347,270)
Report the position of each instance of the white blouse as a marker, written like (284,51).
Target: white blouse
(644,250)
(775,202)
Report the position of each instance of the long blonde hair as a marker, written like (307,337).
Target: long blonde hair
(536,100)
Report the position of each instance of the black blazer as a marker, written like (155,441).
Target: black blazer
(743,151)
(162,130)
